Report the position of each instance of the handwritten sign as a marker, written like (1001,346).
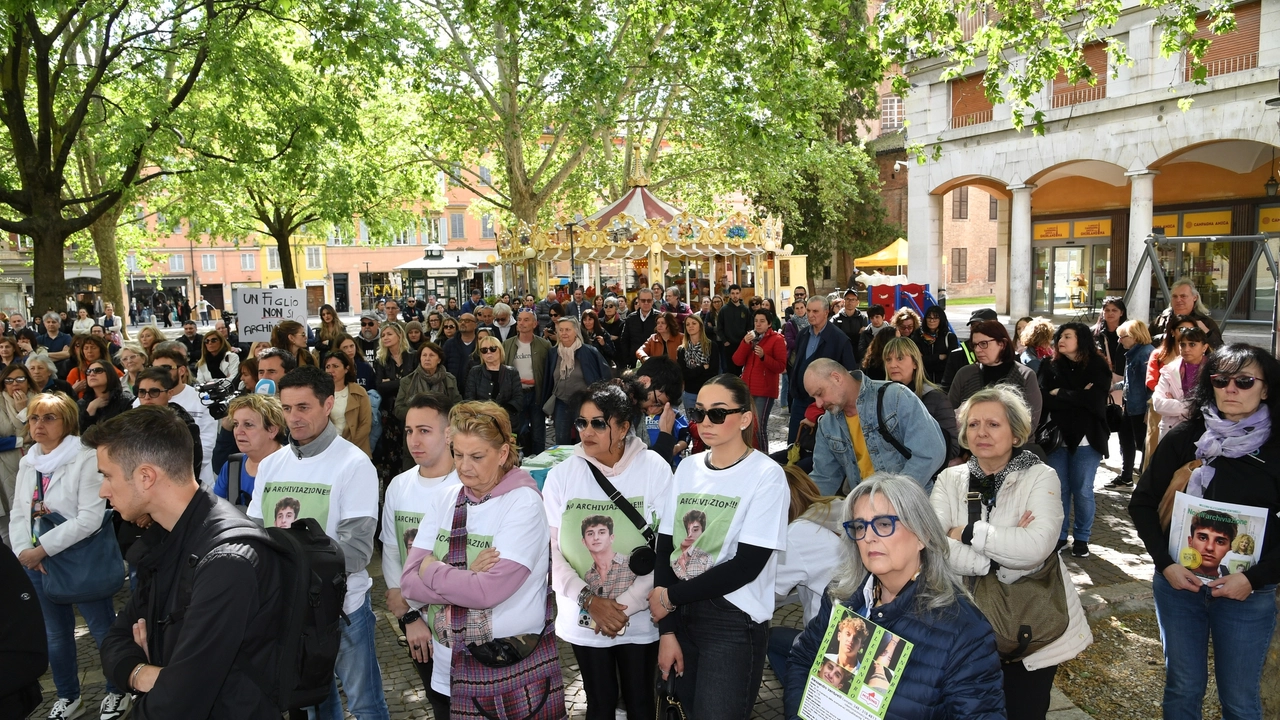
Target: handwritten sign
(261,309)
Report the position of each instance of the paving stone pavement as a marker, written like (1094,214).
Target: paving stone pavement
(1117,573)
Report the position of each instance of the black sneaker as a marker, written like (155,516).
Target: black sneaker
(1061,544)
(1080,549)
(1121,481)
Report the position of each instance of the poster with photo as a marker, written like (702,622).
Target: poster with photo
(856,672)
(284,502)
(1213,539)
(597,538)
(701,525)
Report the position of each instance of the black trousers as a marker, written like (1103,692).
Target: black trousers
(1133,430)
(1026,692)
(626,670)
(439,703)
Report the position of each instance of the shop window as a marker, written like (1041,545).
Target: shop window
(960,203)
(959,265)
(991,264)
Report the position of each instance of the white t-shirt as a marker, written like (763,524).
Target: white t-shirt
(524,361)
(806,565)
(746,503)
(338,484)
(573,499)
(188,399)
(408,498)
(516,524)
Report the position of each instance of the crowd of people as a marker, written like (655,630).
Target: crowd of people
(921,477)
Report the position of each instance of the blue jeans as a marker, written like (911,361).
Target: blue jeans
(1076,470)
(762,407)
(1241,632)
(357,668)
(780,641)
(60,629)
(375,429)
(564,423)
(733,646)
(782,395)
(690,400)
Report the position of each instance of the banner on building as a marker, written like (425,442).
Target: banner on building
(1097,228)
(1217,222)
(1269,219)
(1051,231)
(1168,223)
(259,310)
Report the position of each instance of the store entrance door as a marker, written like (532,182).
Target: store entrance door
(1070,281)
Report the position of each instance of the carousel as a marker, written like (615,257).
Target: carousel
(640,240)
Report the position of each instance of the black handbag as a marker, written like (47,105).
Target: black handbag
(643,557)
(669,707)
(1048,436)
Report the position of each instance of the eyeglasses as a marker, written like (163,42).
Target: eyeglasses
(646,301)
(488,350)
(1243,382)
(716,415)
(883,525)
(96,371)
(597,424)
(152,393)
(16,380)
(983,345)
(45,419)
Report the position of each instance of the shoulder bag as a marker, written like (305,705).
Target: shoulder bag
(92,569)
(1028,613)
(644,556)
(1177,484)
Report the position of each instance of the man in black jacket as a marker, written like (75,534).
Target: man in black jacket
(207,657)
(637,328)
(850,320)
(731,326)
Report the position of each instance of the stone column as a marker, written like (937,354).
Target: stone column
(924,235)
(1020,251)
(1141,203)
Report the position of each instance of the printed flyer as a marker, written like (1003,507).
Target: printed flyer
(857,671)
(1214,539)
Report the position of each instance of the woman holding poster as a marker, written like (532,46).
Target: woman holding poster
(1216,549)
(723,520)
(929,653)
(600,582)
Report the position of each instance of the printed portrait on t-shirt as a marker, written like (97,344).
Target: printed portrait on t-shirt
(597,538)
(285,502)
(701,524)
(476,544)
(406,530)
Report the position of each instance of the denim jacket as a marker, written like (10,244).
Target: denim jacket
(906,419)
(1136,393)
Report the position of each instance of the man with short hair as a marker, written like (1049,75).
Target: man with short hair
(1211,535)
(850,320)
(203,659)
(412,311)
(458,349)
(408,498)
(851,444)
(53,340)
(475,301)
(575,307)
(528,353)
(732,325)
(369,337)
(876,316)
(172,360)
(392,310)
(675,305)
(484,316)
(502,323)
(544,309)
(16,324)
(337,486)
(192,341)
(800,294)
(156,386)
(109,321)
(822,340)
(637,328)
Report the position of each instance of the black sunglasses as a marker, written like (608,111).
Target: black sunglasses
(597,424)
(152,393)
(487,350)
(716,415)
(1243,382)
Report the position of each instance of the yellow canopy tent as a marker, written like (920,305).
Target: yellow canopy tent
(893,255)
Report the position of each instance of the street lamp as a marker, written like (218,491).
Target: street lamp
(573,265)
(1272,185)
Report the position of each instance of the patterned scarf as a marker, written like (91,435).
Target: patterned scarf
(989,485)
(566,358)
(1226,437)
(694,356)
(478,627)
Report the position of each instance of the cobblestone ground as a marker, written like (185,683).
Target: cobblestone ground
(1118,562)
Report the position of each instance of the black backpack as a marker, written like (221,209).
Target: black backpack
(313,584)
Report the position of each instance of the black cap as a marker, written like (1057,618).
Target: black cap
(982,316)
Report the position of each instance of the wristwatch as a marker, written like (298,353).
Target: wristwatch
(409,618)
(583,596)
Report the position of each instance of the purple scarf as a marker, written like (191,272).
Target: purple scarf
(1224,437)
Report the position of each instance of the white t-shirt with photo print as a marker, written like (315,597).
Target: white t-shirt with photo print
(745,503)
(338,484)
(409,497)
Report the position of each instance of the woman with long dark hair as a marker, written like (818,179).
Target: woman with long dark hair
(1074,388)
(717,561)
(330,328)
(105,397)
(216,359)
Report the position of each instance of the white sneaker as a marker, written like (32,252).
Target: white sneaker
(115,706)
(65,709)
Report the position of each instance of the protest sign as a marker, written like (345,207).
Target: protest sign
(1213,539)
(856,670)
(259,310)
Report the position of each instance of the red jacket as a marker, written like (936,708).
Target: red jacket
(761,373)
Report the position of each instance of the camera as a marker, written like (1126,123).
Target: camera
(215,395)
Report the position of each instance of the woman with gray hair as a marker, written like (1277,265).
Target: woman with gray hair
(44,372)
(894,571)
(572,368)
(1019,513)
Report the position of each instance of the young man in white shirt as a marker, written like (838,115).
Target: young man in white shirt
(185,396)
(412,494)
(321,476)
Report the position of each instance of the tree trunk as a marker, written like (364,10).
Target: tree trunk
(103,232)
(286,260)
(49,270)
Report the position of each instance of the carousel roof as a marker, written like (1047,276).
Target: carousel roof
(639,204)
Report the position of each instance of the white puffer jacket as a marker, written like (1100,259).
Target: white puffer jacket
(1168,400)
(1018,551)
(230,366)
